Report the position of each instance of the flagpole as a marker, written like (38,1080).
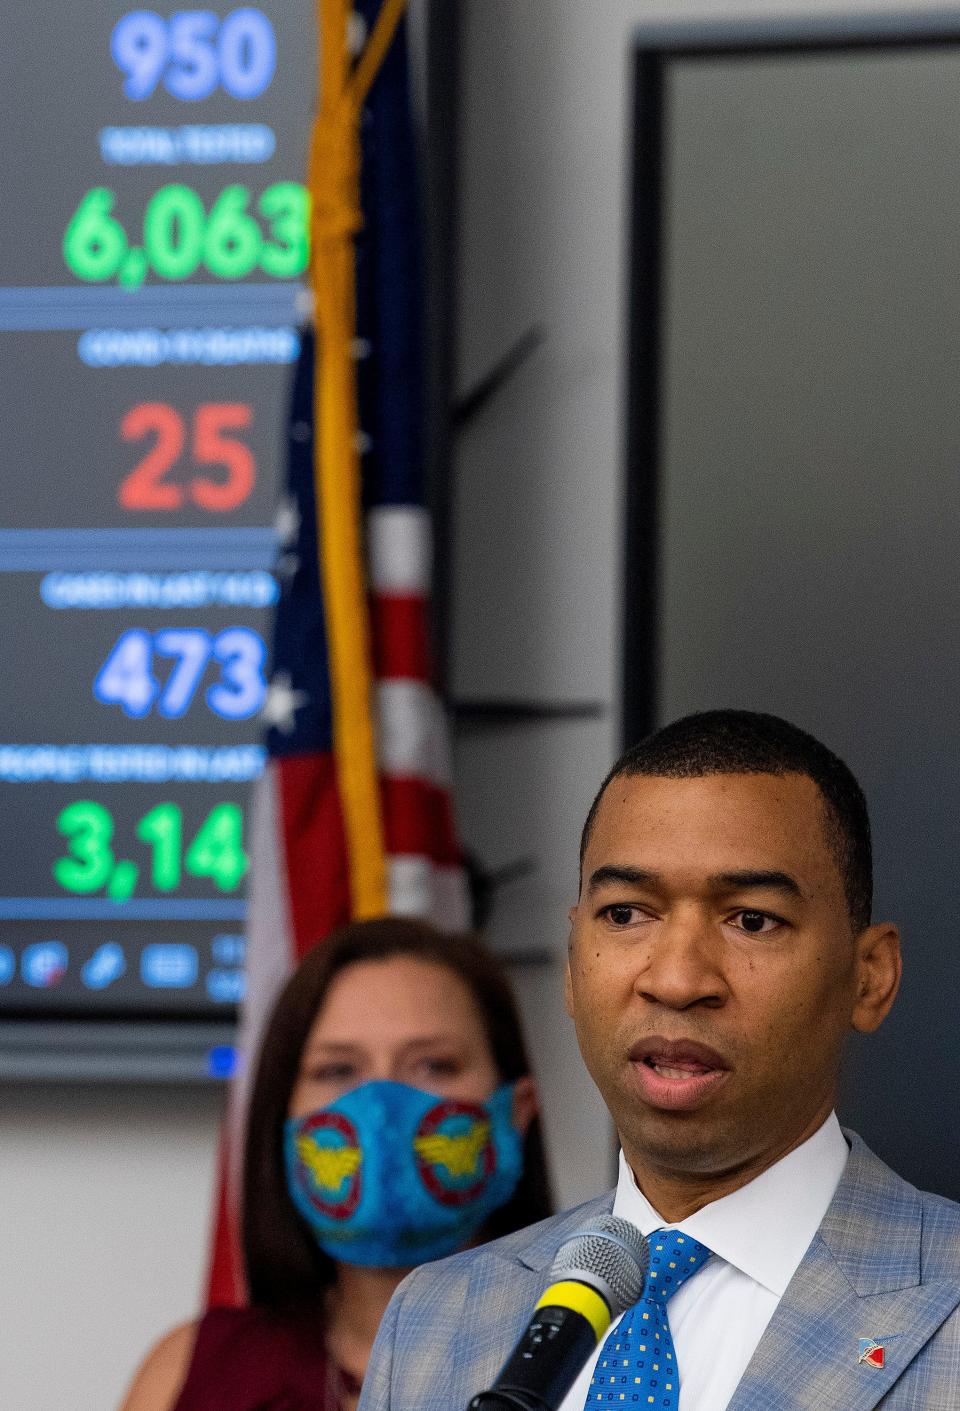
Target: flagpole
(336,219)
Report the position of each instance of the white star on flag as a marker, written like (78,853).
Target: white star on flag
(287,565)
(286,523)
(282,703)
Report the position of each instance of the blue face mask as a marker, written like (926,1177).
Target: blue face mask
(391,1176)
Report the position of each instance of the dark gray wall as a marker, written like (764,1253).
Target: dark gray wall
(810,495)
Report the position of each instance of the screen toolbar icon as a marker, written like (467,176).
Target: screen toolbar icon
(226,986)
(107,964)
(169,965)
(228,950)
(44,964)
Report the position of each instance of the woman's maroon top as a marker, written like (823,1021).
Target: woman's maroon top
(247,1359)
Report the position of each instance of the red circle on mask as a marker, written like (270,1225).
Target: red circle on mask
(343,1207)
(458,1149)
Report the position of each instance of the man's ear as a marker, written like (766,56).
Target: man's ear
(879,967)
(526,1103)
(568,990)
(567,980)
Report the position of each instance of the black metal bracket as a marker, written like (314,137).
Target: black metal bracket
(468,407)
(496,714)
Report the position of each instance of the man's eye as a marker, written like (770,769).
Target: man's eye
(620,914)
(756,923)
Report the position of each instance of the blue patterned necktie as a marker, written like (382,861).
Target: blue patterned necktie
(637,1364)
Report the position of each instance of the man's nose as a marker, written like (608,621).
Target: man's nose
(683,963)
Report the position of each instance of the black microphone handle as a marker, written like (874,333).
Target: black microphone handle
(544,1364)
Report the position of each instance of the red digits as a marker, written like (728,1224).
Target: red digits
(212,447)
(144,488)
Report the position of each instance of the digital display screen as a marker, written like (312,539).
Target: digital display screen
(153,248)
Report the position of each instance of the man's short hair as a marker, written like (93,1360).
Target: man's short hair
(749,742)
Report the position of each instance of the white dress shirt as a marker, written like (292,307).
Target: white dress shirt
(758,1236)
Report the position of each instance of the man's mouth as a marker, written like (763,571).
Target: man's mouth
(676,1074)
(669,1070)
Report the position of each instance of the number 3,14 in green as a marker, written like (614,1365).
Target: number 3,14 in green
(215,852)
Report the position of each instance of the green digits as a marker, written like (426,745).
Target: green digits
(217,850)
(88,828)
(287,208)
(94,244)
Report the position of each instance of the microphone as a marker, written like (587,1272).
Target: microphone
(599,1272)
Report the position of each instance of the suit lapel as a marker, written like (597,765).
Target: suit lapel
(498,1302)
(860,1279)
(809,1354)
(500,1297)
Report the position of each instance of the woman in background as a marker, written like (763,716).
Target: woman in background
(355,1172)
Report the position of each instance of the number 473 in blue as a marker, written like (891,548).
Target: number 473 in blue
(126,678)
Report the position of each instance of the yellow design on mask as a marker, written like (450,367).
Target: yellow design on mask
(459,1154)
(328,1165)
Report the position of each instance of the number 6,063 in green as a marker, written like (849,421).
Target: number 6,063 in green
(215,852)
(180,235)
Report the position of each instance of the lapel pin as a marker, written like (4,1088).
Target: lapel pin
(871,1352)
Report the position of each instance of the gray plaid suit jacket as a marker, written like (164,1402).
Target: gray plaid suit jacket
(885,1264)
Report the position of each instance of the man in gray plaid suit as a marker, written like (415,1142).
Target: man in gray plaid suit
(721,948)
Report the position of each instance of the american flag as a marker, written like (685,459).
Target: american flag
(354,674)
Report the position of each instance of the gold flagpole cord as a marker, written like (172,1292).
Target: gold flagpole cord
(336,218)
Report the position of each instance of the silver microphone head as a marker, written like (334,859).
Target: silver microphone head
(610,1255)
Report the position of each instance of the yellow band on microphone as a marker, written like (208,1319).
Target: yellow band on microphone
(579,1298)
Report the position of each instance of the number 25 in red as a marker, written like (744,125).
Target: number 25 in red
(146,487)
